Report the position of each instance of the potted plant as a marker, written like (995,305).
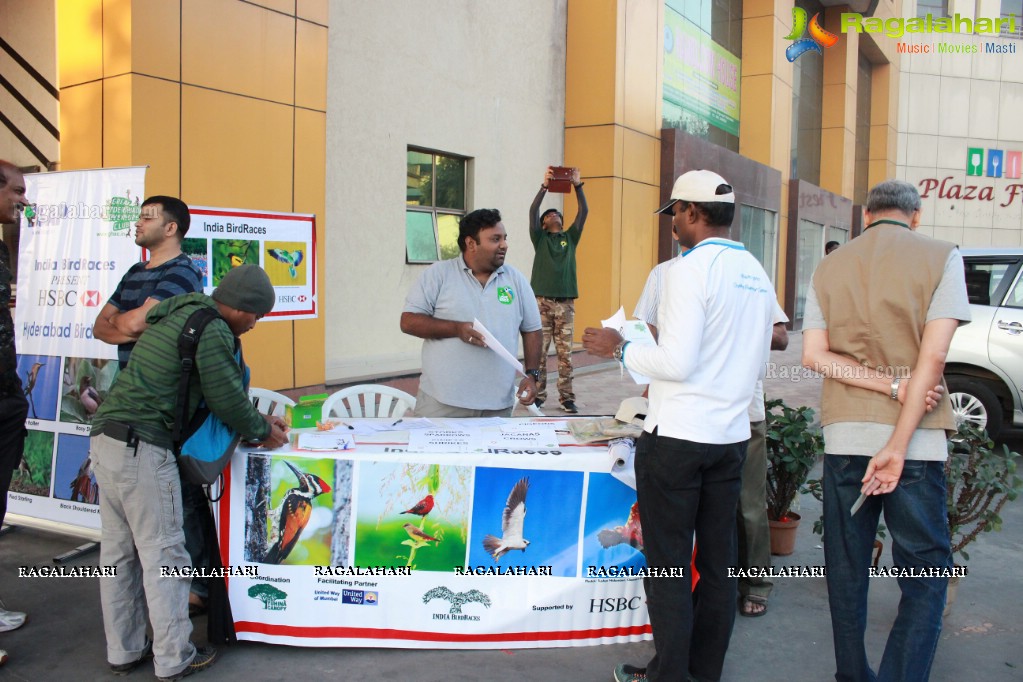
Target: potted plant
(980,479)
(794,446)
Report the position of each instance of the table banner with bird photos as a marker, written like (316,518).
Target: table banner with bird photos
(76,244)
(283,244)
(382,547)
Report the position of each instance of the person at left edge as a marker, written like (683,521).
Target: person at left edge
(461,376)
(13,405)
(162,225)
(137,471)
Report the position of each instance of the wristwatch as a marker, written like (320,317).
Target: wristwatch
(619,351)
(535,373)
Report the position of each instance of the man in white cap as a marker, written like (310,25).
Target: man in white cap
(714,338)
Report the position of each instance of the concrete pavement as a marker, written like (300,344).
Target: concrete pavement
(63,638)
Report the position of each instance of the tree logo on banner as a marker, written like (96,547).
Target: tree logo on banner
(273,599)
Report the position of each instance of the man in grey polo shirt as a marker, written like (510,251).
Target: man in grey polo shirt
(461,376)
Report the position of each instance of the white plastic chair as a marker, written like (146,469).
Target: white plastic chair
(376,401)
(269,402)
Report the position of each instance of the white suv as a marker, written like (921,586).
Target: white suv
(984,368)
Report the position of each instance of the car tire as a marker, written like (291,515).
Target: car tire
(973,401)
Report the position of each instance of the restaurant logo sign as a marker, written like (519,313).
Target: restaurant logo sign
(817,40)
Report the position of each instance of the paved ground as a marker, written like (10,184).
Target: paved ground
(792,642)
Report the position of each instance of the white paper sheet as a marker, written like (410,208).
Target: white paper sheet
(635,332)
(522,437)
(409,424)
(327,440)
(495,345)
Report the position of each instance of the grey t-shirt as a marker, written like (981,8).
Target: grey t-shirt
(866,438)
(454,372)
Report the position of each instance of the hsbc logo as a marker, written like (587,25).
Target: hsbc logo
(295,298)
(614,604)
(90,298)
(301,299)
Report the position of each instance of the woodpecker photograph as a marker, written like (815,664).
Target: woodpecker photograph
(518,519)
(300,516)
(412,514)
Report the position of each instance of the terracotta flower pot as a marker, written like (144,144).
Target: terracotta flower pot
(783,534)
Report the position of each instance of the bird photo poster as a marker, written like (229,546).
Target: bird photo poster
(76,244)
(283,244)
(383,547)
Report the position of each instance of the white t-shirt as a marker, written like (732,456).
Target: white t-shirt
(713,344)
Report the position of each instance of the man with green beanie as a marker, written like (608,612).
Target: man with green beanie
(137,472)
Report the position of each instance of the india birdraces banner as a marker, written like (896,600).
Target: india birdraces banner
(76,243)
(283,244)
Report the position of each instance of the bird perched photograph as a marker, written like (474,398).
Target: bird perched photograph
(631,533)
(300,519)
(40,380)
(414,515)
(85,386)
(519,519)
(72,474)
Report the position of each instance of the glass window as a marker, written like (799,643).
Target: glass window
(1010,8)
(936,8)
(807,93)
(983,279)
(759,233)
(864,82)
(434,203)
(809,252)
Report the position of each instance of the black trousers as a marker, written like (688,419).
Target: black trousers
(13,411)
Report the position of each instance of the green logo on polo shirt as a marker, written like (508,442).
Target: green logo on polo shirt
(505,295)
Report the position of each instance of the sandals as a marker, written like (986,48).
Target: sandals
(745,600)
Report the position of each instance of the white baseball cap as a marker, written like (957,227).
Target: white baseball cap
(699,185)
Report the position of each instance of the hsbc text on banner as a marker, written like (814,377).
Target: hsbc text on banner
(283,244)
(506,548)
(76,243)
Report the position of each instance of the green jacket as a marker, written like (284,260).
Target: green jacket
(145,393)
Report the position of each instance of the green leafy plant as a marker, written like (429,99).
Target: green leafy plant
(980,479)
(794,445)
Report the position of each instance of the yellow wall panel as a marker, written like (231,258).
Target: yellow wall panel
(268,350)
(310,195)
(286,6)
(117,116)
(834,105)
(639,252)
(238,47)
(235,151)
(79,41)
(597,259)
(640,89)
(591,62)
(116,37)
(591,149)
(311,66)
(641,157)
(314,10)
(156,49)
(758,46)
(156,129)
(756,103)
(81,126)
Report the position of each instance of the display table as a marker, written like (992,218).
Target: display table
(378,546)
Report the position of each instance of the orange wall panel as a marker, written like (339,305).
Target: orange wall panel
(79,41)
(81,126)
(156,130)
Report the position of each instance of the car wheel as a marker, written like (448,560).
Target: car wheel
(975,403)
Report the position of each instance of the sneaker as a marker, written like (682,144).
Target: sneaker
(125,668)
(628,673)
(569,406)
(538,403)
(3,656)
(11,620)
(204,658)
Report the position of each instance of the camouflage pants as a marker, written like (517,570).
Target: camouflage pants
(558,318)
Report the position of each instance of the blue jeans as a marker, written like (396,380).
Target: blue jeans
(916,517)
(685,488)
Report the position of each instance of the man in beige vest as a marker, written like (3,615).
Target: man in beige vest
(879,318)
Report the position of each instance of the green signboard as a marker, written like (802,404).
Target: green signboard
(700,76)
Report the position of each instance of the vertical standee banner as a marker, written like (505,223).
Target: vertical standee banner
(283,244)
(76,244)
